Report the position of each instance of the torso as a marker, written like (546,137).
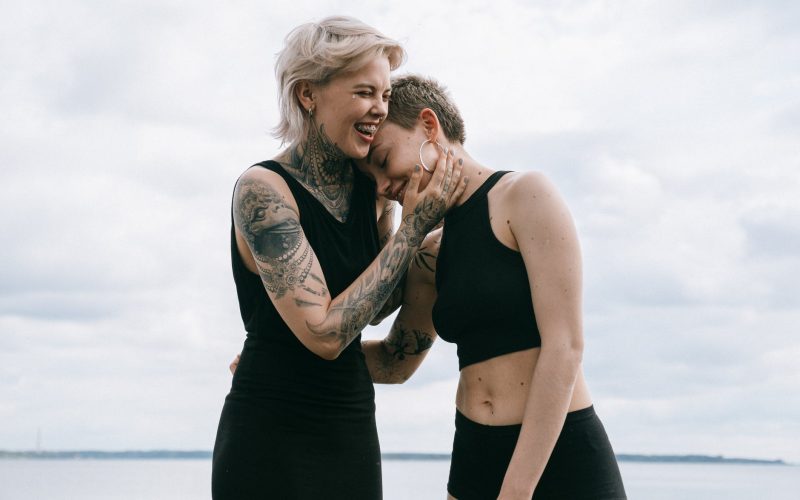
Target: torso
(495,391)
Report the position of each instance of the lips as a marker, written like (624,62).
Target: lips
(367,129)
(399,193)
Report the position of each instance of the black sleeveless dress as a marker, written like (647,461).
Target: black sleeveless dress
(295,426)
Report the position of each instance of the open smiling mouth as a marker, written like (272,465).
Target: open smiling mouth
(366,129)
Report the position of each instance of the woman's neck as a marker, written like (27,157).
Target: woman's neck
(473,170)
(323,169)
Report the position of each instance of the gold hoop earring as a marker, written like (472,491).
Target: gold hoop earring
(421,161)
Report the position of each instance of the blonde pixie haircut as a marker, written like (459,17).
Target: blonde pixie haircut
(317,52)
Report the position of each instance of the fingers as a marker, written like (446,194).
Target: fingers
(457,192)
(455,179)
(413,183)
(234,364)
(440,173)
(448,175)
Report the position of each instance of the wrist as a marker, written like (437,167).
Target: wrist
(413,230)
(518,486)
(513,491)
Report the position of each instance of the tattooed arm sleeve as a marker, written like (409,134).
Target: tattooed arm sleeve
(385,230)
(267,219)
(385,220)
(394,359)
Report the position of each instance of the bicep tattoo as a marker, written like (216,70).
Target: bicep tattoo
(273,232)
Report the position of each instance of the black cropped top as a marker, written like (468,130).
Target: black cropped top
(484,301)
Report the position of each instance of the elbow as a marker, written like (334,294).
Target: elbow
(400,378)
(575,348)
(329,351)
(329,355)
(568,355)
(395,379)
(572,353)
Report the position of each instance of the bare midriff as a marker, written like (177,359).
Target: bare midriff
(495,391)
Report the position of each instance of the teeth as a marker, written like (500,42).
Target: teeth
(366,129)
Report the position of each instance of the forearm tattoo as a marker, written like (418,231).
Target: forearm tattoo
(272,229)
(324,170)
(352,310)
(425,217)
(402,342)
(398,346)
(386,224)
(394,301)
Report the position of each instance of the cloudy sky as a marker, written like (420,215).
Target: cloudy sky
(672,129)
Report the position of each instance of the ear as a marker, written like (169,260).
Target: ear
(430,123)
(305,94)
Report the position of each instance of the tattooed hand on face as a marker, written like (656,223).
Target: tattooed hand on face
(423,211)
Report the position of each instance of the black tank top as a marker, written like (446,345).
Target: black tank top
(275,365)
(483,301)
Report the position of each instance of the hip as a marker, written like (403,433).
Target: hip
(581,465)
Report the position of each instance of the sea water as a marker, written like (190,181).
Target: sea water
(402,479)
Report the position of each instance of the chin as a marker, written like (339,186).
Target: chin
(357,152)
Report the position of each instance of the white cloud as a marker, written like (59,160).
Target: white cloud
(669,127)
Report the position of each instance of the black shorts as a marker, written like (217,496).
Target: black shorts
(582,464)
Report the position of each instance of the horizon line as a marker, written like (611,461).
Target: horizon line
(145,454)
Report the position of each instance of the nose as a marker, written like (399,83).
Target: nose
(383,184)
(381,107)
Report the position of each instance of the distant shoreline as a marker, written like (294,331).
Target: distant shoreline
(206,455)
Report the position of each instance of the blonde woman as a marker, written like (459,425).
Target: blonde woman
(299,421)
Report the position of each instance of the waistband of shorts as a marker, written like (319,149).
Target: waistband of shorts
(465,424)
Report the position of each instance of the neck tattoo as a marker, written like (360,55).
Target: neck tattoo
(324,170)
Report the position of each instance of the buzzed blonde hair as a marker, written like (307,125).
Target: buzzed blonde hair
(413,93)
(317,52)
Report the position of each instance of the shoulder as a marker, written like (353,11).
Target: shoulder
(520,193)
(527,185)
(260,179)
(258,189)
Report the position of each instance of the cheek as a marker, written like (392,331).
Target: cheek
(426,179)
